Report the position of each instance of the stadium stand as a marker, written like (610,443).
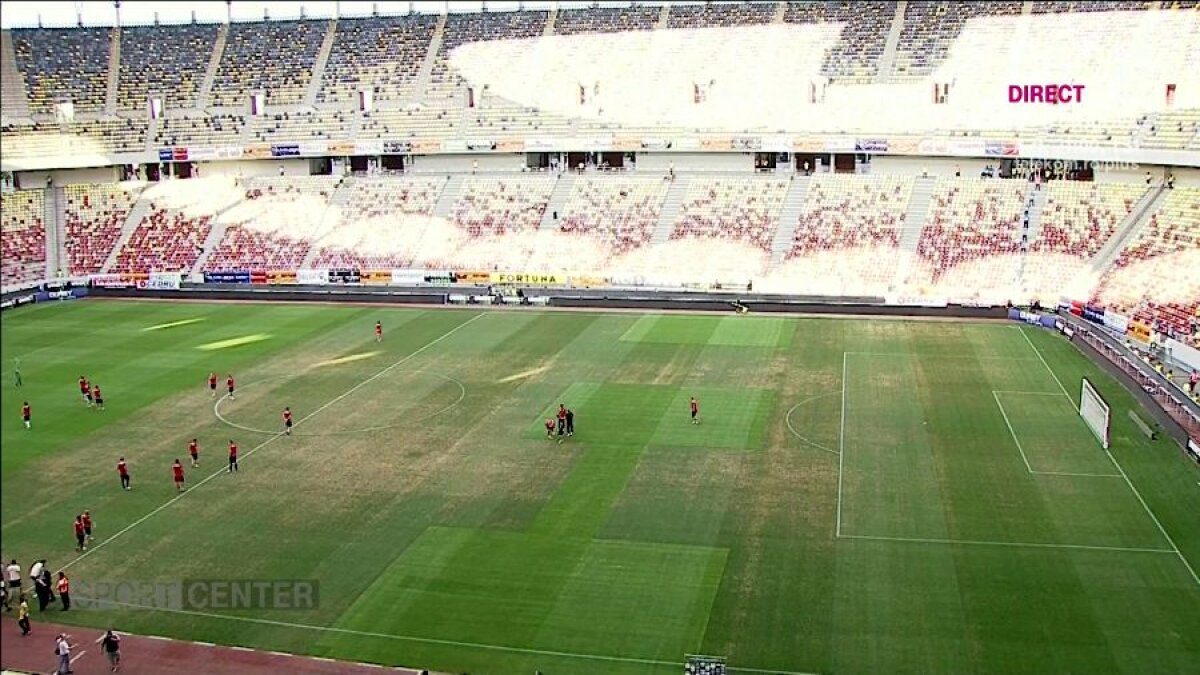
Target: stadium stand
(725,14)
(275,224)
(166,61)
(24,241)
(492,206)
(377,54)
(94,217)
(1175,130)
(77,138)
(864,32)
(381,222)
(166,240)
(1156,277)
(731,208)
(273,56)
(413,122)
(618,212)
(207,131)
(298,127)
(931,27)
(64,64)
(605,19)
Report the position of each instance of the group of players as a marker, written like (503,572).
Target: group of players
(92,396)
(566,420)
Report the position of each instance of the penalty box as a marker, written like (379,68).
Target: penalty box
(648,414)
(926,454)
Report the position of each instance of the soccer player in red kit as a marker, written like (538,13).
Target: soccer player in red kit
(378,331)
(233,465)
(123,472)
(85,390)
(87,525)
(562,418)
(229,385)
(287,421)
(25,414)
(550,427)
(695,405)
(97,398)
(80,544)
(212,384)
(194,451)
(177,471)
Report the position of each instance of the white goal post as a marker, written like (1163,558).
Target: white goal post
(1094,412)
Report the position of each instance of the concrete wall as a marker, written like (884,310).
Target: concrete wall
(691,161)
(37,179)
(245,169)
(464,163)
(936,166)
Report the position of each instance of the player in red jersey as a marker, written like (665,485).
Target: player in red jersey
(123,472)
(177,471)
(233,464)
(194,451)
(85,390)
(26,414)
(87,525)
(97,397)
(80,543)
(229,385)
(562,418)
(695,406)
(287,421)
(378,332)
(212,384)
(549,427)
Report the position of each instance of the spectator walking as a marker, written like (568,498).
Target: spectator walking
(44,587)
(62,649)
(111,643)
(12,578)
(23,617)
(64,590)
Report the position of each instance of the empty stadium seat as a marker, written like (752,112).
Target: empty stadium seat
(272,56)
(22,220)
(378,54)
(94,217)
(164,61)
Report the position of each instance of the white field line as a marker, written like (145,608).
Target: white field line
(1011,432)
(422,640)
(788,420)
(841,450)
(943,356)
(1017,544)
(1121,469)
(270,440)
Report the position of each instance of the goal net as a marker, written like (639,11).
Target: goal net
(1094,412)
(697,664)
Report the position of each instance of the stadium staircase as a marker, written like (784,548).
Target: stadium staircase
(789,218)
(914,223)
(551,20)
(114,70)
(318,70)
(670,208)
(663,17)
(151,134)
(887,60)
(1027,8)
(56,244)
(1035,201)
(141,208)
(450,195)
(426,71)
(558,199)
(210,73)
(1130,227)
(780,13)
(13,103)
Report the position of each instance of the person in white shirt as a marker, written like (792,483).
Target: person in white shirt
(12,577)
(62,648)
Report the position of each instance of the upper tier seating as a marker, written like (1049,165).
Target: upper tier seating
(58,63)
(972,236)
(211,131)
(298,127)
(94,217)
(867,22)
(77,138)
(446,87)
(378,54)
(619,211)
(1175,130)
(423,122)
(931,27)
(605,19)
(492,206)
(1156,277)
(1088,6)
(22,221)
(274,56)
(725,14)
(166,61)
(380,223)
(275,225)
(735,209)
(166,240)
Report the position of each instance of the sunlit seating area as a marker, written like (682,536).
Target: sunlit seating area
(930,28)
(492,206)
(95,215)
(275,222)
(208,131)
(272,56)
(380,223)
(166,240)
(110,135)
(620,212)
(299,127)
(163,61)
(22,221)
(864,32)
(731,208)
(379,54)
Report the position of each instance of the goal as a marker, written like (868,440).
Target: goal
(1094,412)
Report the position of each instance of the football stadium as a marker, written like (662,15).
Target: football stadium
(550,338)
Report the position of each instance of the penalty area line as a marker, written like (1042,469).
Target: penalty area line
(417,639)
(271,440)
(787,418)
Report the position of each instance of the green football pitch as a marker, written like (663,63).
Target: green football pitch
(858,497)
